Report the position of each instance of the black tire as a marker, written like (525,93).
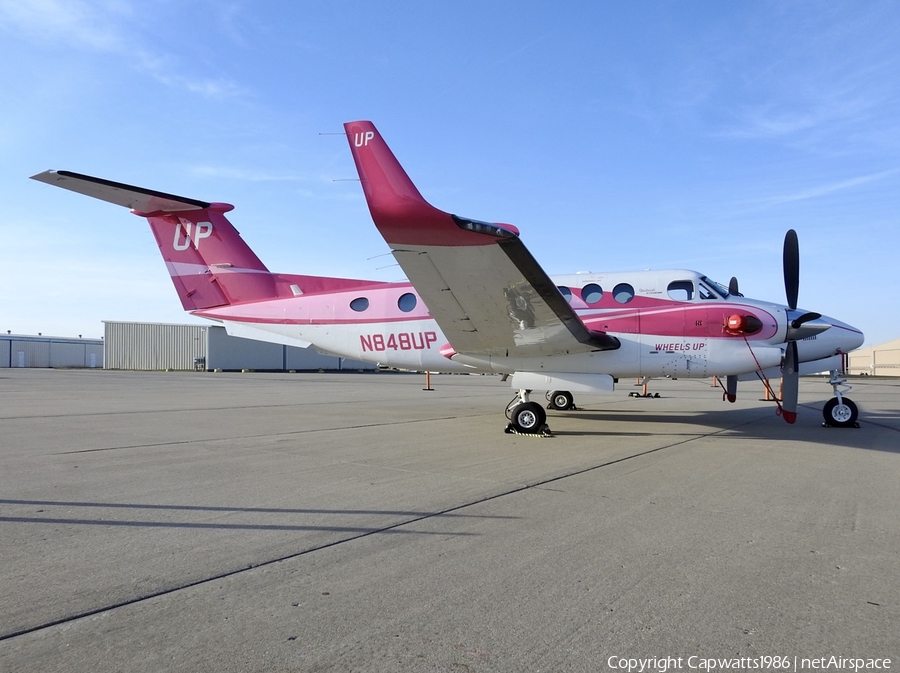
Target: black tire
(839,415)
(561,399)
(528,417)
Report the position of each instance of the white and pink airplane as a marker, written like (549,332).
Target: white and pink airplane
(478,301)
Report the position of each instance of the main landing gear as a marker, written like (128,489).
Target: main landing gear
(526,417)
(840,411)
(562,400)
(529,418)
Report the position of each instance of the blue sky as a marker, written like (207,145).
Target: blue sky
(616,136)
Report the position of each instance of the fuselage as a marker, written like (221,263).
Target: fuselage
(668,322)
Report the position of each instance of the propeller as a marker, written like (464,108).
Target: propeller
(800,326)
(732,381)
(797,327)
(790,383)
(791,259)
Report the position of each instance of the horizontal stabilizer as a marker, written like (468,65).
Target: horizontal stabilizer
(138,199)
(245,331)
(208,261)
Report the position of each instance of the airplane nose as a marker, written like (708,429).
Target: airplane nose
(845,337)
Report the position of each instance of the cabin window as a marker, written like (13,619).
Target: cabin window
(623,293)
(359,304)
(681,290)
(407,302)
(592,293)
(566,292)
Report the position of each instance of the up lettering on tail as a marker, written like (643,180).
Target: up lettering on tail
(362,139)
(183,233)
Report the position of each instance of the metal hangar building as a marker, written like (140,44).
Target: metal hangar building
(161,346)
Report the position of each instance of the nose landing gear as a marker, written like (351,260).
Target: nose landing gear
(840,411)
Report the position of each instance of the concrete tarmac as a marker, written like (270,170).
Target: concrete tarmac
(354,522)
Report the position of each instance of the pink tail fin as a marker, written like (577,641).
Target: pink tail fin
(209,262)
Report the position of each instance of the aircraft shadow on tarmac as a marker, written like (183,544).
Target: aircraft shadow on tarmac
(692,422)
(391,527)
(760,423)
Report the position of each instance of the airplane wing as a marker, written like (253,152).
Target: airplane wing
(136,198)
(481,284)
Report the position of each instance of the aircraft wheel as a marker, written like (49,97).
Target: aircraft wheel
(561,399)
(528,417)
(839,415)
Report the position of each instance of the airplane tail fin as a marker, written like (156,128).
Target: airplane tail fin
(209,262)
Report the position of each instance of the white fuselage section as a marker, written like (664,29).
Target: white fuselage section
(669,323)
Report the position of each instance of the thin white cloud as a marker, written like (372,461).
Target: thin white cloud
(242,174)
(762,123)
(160,70)
(230,20)
(67,22)
(837,110)
(825,190)
(103,27)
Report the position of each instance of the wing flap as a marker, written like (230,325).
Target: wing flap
(440,300)
(482,302)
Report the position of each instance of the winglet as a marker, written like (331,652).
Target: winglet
(486,291)
(399,211)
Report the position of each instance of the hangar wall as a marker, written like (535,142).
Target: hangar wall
(156,346)
(40,351)
(880,360)
(152,346)
(232,353)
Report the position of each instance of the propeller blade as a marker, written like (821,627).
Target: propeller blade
(790,383)
(791,258)
(733,287)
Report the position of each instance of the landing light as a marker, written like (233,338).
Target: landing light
(742,324)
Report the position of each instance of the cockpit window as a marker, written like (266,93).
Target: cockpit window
(681,290)
(706,293)
(710,289)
